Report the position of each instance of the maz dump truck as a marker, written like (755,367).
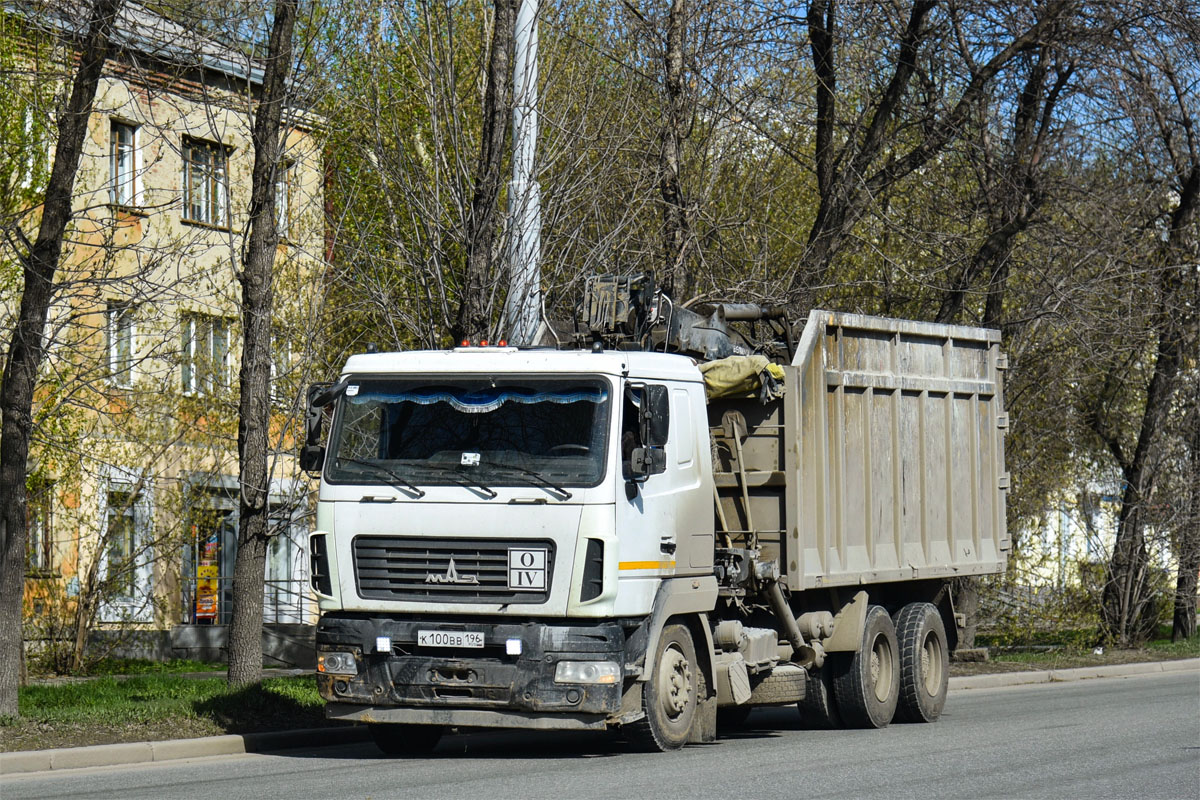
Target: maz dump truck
(670,516)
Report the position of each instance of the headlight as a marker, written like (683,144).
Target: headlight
(337,663)
(587,672)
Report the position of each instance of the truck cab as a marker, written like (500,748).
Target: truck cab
(494,527)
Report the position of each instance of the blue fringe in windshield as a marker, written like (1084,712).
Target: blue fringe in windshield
(482,401)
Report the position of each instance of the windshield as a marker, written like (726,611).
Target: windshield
(510,432)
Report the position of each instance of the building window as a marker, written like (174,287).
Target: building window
(122,165)
(120,332)
(121,544)
(282,390)
(126,550)
(40,531)
(205,183)
(285,198)
(32,150)
(205,356)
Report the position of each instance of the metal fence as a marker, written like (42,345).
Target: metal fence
(209,601)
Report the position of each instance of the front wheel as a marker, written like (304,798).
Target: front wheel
(867,686)
(405,740)
(671,696)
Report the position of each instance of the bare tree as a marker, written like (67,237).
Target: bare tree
(26,351)
(1013,183)
(676,230)
(865,163)
(472,319)
(254,410)
(1155,65)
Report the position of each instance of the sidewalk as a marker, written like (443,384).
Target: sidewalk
(144,752)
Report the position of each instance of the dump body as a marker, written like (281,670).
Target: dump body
(883,462)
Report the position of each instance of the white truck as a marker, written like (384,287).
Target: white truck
(552,538)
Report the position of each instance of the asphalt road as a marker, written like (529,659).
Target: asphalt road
(1133,737)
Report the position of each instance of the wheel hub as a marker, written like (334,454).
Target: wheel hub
(674,682)
(881,669)
(931,664)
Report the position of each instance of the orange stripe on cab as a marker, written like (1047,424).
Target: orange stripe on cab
(625,565)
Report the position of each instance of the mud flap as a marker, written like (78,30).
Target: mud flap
(848,626)
(704,724)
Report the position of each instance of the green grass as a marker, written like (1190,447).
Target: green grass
(141,666)
(1075,648)
(152,698)
(1188,648)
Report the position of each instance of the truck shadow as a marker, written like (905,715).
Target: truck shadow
(477,745)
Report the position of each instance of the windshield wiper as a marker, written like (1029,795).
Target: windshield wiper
(538,478)
(380,468)
(460,477)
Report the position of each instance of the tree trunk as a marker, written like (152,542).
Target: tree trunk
(1124,596)
(27,348)
(676,278)
(1183,622)
(966,602)
(254,405)
(472,317)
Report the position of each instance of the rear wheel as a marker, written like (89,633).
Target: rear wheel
(406,740)
(818,709)
(671,696)
(868,685)
(924,663)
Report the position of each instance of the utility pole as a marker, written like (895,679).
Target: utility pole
(523,308)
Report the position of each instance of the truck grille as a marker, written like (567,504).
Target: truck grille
(418,569)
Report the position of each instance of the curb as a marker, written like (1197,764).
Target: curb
(105,755)
(996,680)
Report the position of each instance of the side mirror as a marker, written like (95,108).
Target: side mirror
(645,461)
(653,409)
(311,458)
(656,416)
(312,454)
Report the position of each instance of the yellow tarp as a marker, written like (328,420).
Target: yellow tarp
(740,376)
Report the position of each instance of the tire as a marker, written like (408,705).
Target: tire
(786,684)
(818,709)
(924,663)
(867,685)
(406,740)
(670,697)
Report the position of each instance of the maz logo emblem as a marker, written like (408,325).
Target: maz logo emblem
(451,576)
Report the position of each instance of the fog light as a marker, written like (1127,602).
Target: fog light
(337,663)
(587,672)
(383,644)
(512,647)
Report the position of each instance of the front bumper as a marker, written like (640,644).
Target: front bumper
(418,683)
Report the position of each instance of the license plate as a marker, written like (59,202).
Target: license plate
(472,639)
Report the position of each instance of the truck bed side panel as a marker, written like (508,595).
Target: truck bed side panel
(883,462)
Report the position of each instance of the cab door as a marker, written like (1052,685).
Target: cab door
(663,519)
